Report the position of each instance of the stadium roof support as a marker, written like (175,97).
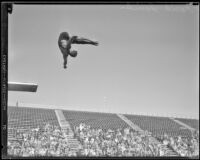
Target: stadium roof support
(24,87)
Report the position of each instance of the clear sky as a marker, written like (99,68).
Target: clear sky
(146,61)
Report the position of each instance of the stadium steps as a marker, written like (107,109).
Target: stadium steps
(182,124)
(65,126)
(169,152)
(131,124)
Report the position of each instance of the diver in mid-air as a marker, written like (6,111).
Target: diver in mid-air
(65,41)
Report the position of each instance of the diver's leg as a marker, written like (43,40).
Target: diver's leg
(85,41)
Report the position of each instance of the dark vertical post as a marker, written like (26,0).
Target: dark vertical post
(5,9)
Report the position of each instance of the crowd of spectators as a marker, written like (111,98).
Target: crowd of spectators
(48,140)
(51,140)
(184,146)
(120,142)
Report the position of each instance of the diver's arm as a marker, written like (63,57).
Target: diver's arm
(70,41)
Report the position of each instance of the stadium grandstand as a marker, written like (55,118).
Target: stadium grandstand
(57,132)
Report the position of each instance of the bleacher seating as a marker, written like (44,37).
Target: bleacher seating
(194,123)
(25,118)
(159,125)
(21,117)
(94,119)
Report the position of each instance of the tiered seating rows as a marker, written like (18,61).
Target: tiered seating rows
(194,123)
(159,125)
(95,120)
(20,117)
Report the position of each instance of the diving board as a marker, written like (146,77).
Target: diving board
(24,87)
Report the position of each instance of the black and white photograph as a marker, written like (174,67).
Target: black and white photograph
(101,80)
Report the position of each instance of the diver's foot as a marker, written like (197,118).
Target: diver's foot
(95,43)
(65,67)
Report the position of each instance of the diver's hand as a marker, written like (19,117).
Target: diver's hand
(70,41)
